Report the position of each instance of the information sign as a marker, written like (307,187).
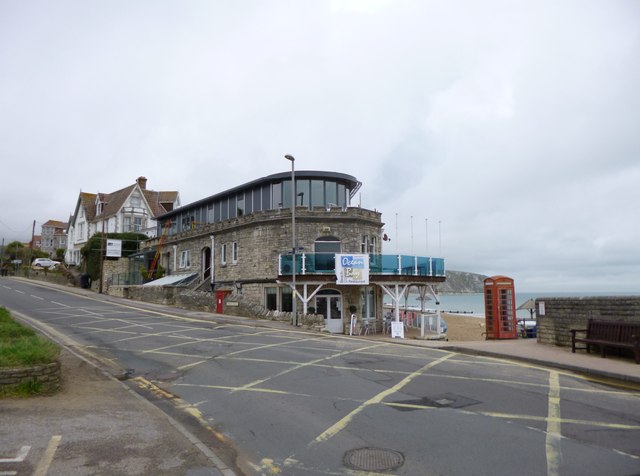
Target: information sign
(352,269)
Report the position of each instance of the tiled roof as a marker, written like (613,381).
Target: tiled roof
(159,202)
(55,224)
(88,202)
(115,200)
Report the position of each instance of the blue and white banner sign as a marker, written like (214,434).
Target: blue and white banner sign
(352,269)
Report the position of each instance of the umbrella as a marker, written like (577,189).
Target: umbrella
(530,305)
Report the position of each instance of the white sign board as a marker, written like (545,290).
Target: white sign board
(397,329)
(352,269)
(114,248)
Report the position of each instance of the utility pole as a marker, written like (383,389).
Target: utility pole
(101,258)
(33,234)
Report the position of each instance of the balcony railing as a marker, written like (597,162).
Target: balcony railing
(324,263)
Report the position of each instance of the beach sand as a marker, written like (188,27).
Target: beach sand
(460,328)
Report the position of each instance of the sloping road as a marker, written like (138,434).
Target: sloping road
(303,403)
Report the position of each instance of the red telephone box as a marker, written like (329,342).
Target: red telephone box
(500,308)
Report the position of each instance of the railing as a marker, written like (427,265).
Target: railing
(324,263)
(126,279)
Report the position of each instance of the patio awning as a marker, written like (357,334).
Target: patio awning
(172,280)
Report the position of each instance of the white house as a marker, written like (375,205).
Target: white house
(130,209)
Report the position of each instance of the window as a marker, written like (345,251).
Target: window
(234,252)
(331,195)
(286,194)
(233,211)
(363,244)
(285,299)
(302,192)
(137,223)
(277,196)
(317,193)
(342,196)
(185,260)
(271,298)
(372,245)
(223,254)
(225,209)
(136,201)
(257,200)
(326,248)
(266,199)
(367,301)
(240,205)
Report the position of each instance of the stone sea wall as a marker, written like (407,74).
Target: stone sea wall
(556,316)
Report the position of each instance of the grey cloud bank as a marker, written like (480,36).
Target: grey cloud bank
(512,127)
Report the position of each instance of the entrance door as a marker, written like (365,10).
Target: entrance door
(329,304)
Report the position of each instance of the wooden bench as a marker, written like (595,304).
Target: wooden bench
(605,334)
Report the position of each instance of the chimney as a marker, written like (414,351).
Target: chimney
(142,182)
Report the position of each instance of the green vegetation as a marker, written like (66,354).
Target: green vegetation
(20,346)
(91,251)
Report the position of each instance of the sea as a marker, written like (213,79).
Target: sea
(472,304)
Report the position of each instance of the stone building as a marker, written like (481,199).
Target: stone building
(238,244)
(54,236)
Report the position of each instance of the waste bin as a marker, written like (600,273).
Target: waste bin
(85,280)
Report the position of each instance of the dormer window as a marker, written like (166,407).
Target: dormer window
(99,208)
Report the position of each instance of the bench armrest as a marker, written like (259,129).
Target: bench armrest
(573,331)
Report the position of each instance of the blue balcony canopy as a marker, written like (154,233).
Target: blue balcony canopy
(324,263)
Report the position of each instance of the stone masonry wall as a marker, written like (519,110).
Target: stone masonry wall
(47,375)
(262,236)
(563,314)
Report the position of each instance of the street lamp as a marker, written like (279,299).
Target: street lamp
(294,316)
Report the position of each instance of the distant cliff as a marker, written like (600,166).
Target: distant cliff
(462,282)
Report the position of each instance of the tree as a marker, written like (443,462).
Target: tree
(15,250)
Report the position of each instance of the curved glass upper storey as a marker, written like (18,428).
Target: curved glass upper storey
(313,189)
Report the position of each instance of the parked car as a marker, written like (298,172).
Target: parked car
(40,263)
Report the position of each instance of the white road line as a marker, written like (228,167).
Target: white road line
(47,458)
(22,454)
(36,297)
(59,304)
(18,291)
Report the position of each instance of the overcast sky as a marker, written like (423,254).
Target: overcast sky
(509,130)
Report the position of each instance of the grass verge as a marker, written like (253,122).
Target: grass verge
(21,346)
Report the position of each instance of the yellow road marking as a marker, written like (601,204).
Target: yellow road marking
(552,442)
(260,347)
(180,404)
(339,425)
(47,457)
(306,364)
(195,340)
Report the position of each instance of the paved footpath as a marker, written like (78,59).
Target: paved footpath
(530,351)
(87,427)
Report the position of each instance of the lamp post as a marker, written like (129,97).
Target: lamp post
(294,316)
